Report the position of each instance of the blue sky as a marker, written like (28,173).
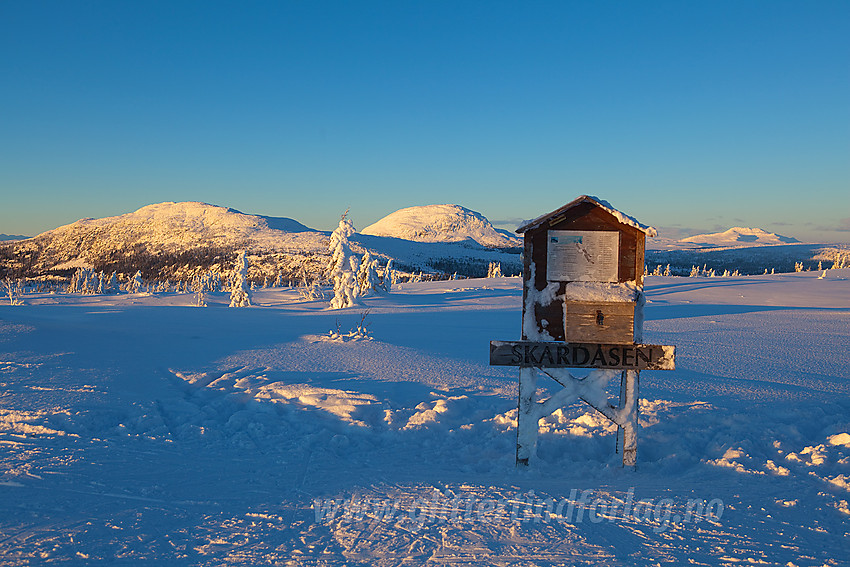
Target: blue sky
(690,116)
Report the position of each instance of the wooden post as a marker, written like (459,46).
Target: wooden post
(618,447)
(526,419)
(631,405)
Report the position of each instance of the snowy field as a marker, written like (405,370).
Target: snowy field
(139,429)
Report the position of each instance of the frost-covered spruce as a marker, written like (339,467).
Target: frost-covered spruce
(343,266)
(135,284)
(240,292)
(494,270)
(367,278)
(389,277)
(112,285)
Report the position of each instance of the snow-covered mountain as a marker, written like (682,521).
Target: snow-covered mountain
(163,236)
(174,240)
(442,223)
(740,236)
(177,226)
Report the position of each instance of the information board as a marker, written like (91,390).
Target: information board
(582,255)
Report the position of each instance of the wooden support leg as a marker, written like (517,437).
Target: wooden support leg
(631,397)
(619,442)
(526,429)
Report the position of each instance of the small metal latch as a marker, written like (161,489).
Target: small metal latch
(600,318)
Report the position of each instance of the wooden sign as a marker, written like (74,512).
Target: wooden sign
(582,355)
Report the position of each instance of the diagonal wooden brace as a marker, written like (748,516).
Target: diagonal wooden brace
(590,390)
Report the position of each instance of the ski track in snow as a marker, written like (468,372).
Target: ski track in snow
(137,429)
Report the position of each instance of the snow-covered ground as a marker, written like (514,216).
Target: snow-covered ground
(139,429)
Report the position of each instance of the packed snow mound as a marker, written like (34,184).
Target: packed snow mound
(441,223)
(739,236)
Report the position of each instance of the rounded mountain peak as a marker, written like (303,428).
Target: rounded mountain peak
(441,223)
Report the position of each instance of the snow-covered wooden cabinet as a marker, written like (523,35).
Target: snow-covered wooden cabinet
(583,274)
(582,308)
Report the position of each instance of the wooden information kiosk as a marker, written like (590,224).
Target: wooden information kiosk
(582,308)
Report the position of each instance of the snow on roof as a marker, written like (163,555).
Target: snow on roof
(621,217)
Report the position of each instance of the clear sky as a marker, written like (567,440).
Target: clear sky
(691,116)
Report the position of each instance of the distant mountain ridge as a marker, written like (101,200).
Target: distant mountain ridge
(740,236)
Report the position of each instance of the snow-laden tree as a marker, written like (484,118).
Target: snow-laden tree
(13,290)
(83,281)
(389,277)
(346,291)
(494,270)
(343,266)
(200,295)
(368,281)
(112,284)
(136,283)
(240,291)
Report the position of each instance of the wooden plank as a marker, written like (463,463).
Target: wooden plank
(582,355)
(599,322)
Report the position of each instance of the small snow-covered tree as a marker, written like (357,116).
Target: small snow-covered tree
(13,291)
(112,284)
(80,282)
(389,277)
(343,266)
(494,270)
(240,292)
(695,272)
(198,287)
(136,283)
(367,278)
